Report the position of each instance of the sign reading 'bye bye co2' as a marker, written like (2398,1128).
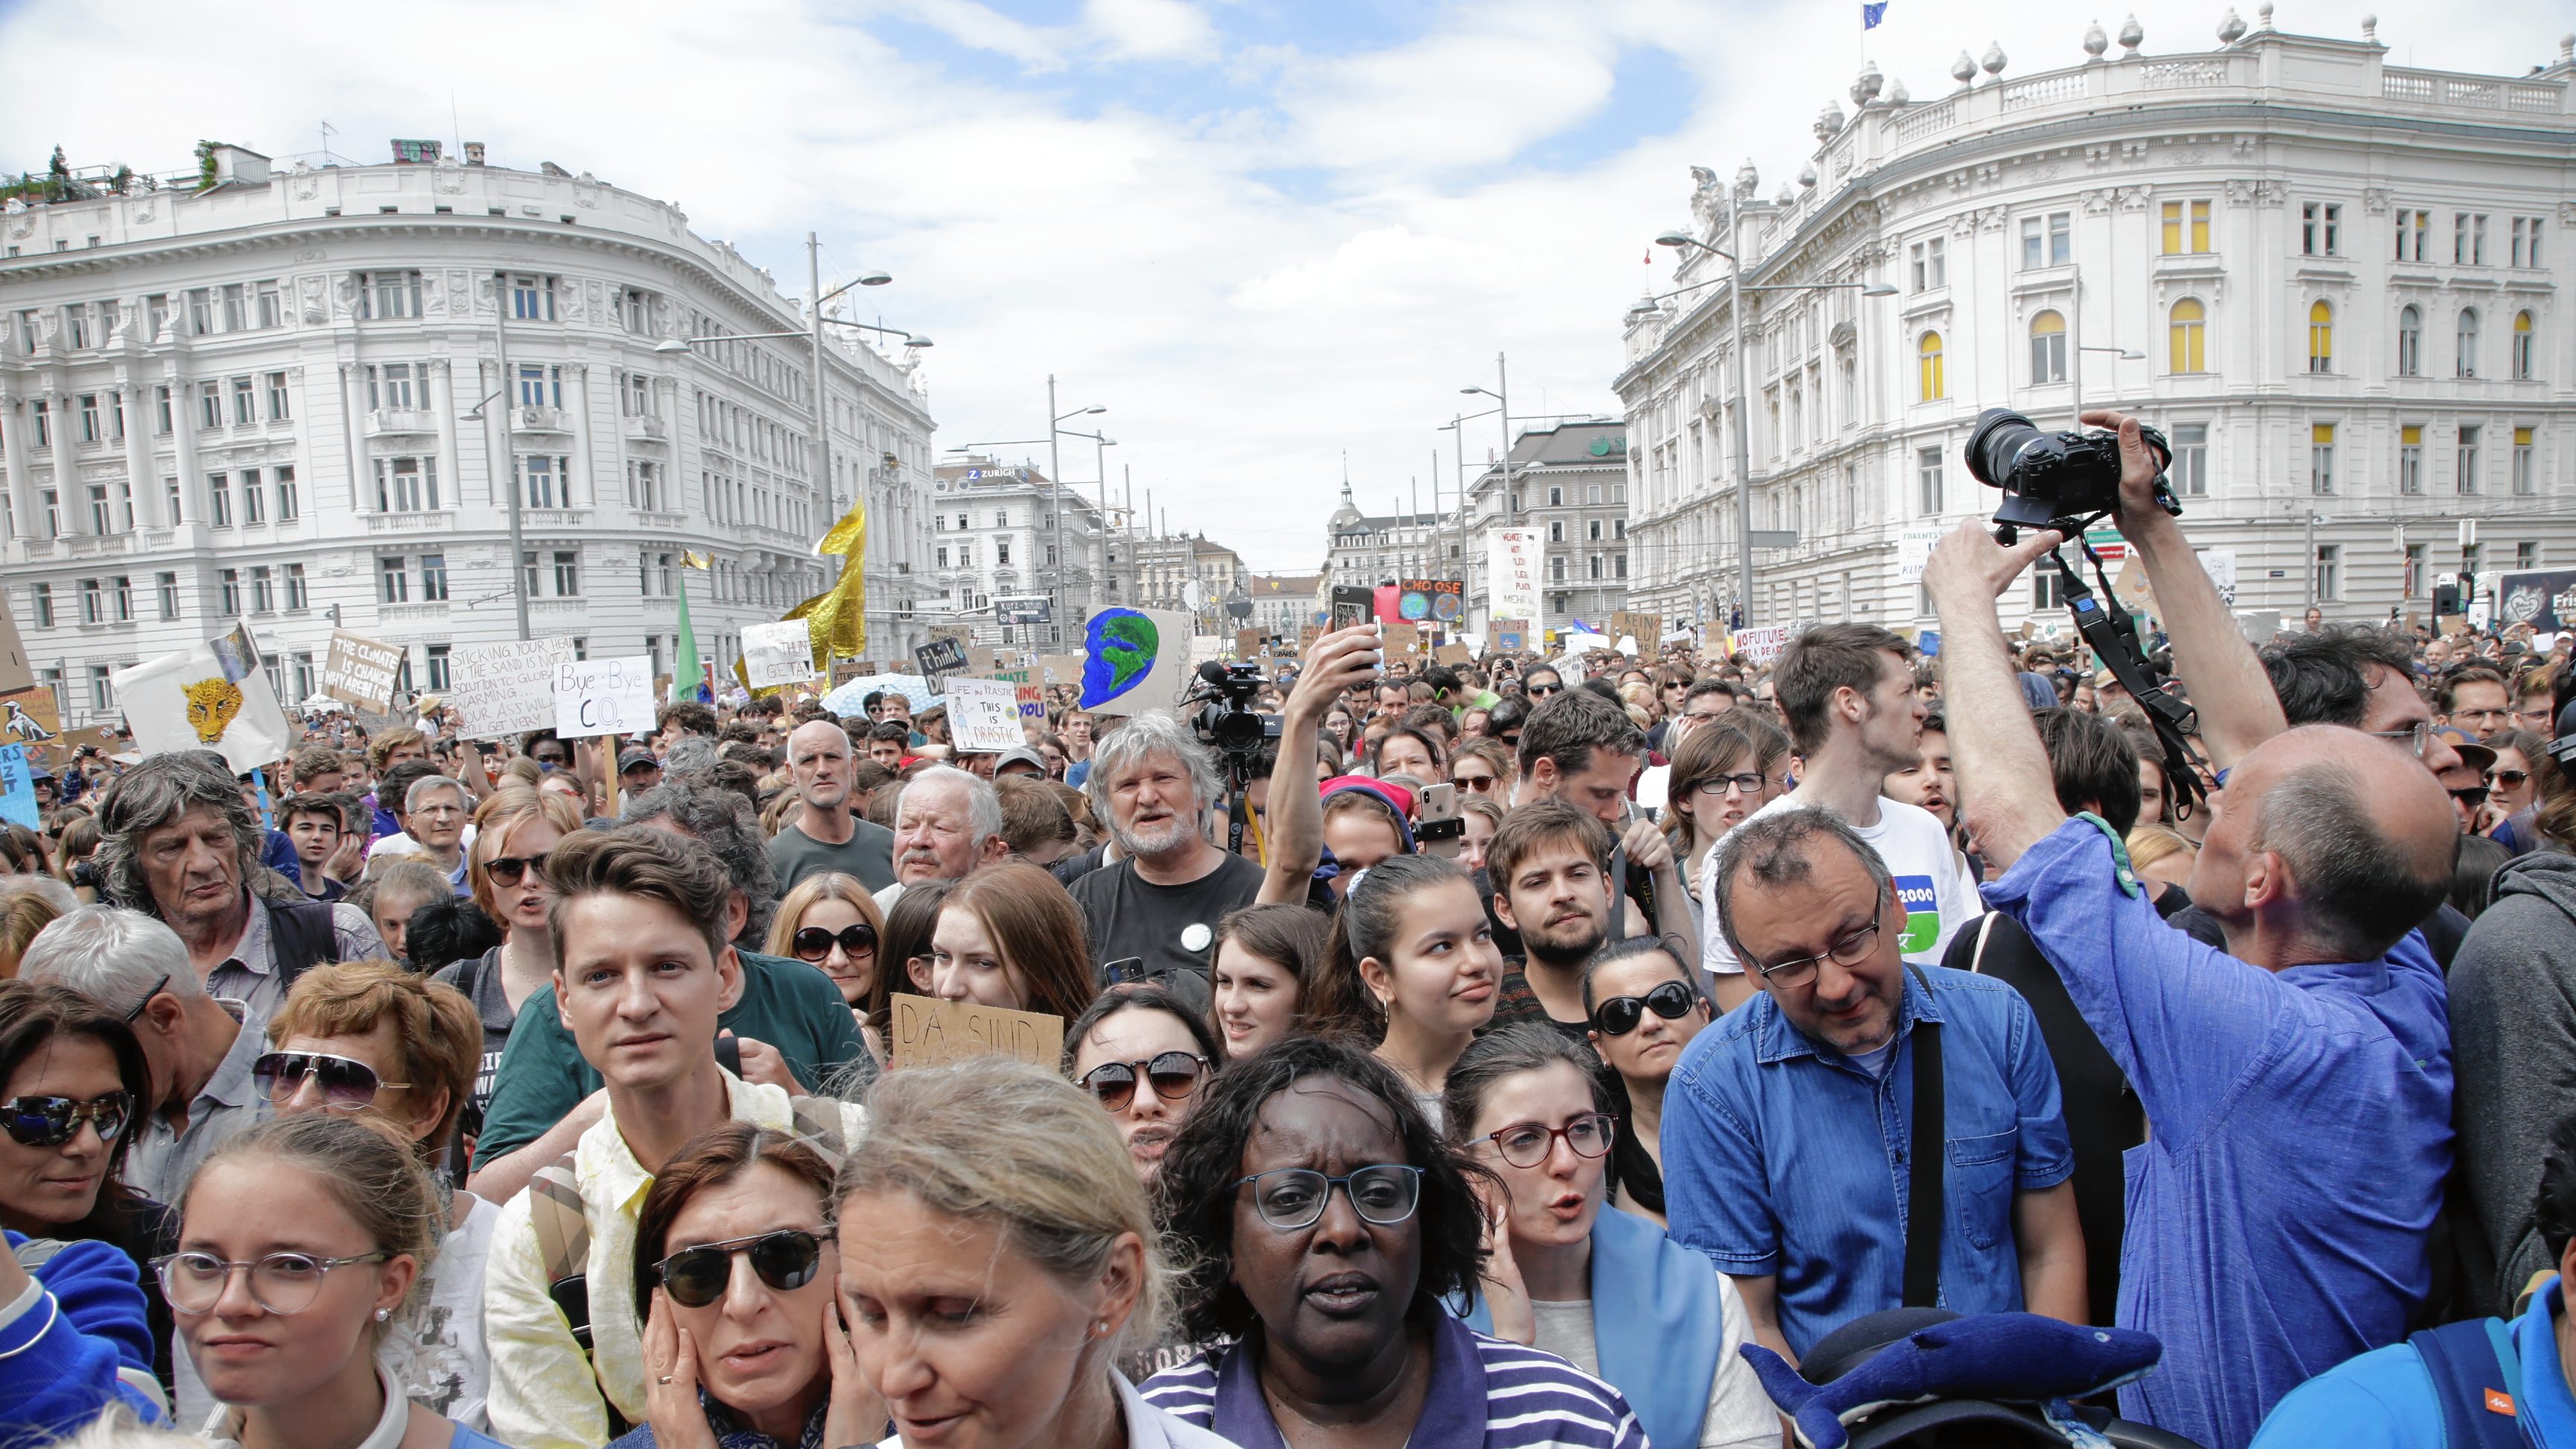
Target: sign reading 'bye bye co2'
(603,697)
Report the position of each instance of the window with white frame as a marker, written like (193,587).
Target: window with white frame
(2191,460)
(272,305)
(297,594)
(2047,241)
(2410,341)
(1930,266)
(219,499)
(280,405)
(2410,459)
(567,574)
(407,485)
(2526,480)
(245,403)
(2466,479)
(2329,579)
(638,393)
(532,298)
(201,311)
(2526,242)
(540,386)
(545,480)
(388,294)
(2321,458)
(433,577)
(289,506)
(1927,482)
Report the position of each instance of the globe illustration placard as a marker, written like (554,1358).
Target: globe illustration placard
(1119,647)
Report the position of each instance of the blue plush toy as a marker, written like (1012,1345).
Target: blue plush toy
(2013,1357)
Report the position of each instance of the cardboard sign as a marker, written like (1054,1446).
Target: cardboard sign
(15,673)
(928,1031)
(29,716)
(1059,669)
(2130,588)
(505,689)
(603,697)
(775,654)
(983,716)
(1402,640)
(17,788)
(940,658)
(1637,625)
(1453,655)
(963,634)
(361,672)
(1247,643)
(1031,699)
(1134,660)
(1507,636)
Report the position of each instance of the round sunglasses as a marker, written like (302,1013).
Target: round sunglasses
(53,1121)
(814,943)
(1173,1076)
(1620,1015)
(347,1084)
(785,1260)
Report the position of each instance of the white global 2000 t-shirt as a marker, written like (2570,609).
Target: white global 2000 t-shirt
(1930,877)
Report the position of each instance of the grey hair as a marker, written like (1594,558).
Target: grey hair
(983,806)
(689,752)
(1139,739)
(45,888)
(113,957)
(151,795)
(722,820)
(411,797)
(1774,848)
(2358,891)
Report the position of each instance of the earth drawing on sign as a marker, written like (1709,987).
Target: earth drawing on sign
(1119,646)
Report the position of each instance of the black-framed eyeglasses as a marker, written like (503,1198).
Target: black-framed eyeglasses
(785,1260)
(2411,739)
(815,943)
(347,1084)
(1716,787)
(1849,951)
(1621,1015)
(1173,1075)
(1292,1198)
(1527,1144)
(147,997)
(282,1283)
(509,870)
(53,1121)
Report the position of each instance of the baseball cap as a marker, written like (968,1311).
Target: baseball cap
(2472,754)
(631,758)
(1019,755)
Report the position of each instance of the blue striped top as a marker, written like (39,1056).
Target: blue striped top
(1484,1394)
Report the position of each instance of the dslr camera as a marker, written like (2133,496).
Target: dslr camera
(2056,480)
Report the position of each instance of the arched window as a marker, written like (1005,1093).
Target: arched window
(2320,337)
(2467,365)
(2188,336)
(2410,341)
(2525,344)
(1929,350)
(2048,348)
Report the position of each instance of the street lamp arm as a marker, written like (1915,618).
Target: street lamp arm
(872,327)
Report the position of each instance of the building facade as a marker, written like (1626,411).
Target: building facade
(2330,280)
(1167,564)
(993,537)
(1571,482)
(1284,604)
(274,397)
(1365,551)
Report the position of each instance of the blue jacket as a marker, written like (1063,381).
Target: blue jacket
(75,1343)
(2384,1399)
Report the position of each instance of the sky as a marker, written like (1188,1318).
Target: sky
(1266,235)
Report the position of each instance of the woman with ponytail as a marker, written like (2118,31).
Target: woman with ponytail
(1413,969)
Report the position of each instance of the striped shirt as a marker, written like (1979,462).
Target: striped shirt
(1483,1392)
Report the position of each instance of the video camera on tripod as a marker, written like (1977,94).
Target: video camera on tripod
(2068,481)
(1227,723)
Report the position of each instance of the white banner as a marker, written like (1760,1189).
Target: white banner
(603,697)
(781,653)
(1763,645)
(211,697)
(1913,551)
(1512,563)
(2220,564)
(984,715)
(505,689)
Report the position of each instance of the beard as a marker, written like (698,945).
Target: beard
(1155,838)
(1566,944)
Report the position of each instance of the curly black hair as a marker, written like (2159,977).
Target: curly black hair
(1196,1187)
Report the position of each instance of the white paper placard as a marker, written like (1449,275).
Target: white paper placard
(505,689)
(781,653)
(984,715)
(603,697)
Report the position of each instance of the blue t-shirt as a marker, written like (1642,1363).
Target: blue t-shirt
(2385,1398)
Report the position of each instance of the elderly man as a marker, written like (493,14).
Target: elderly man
(176,841)
(823,835)
(197,1046)
(946,823)
(435,810)
(2297,1085)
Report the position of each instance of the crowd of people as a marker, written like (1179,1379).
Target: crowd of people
(1560,1028)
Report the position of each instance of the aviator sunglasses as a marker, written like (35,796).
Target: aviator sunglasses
(785,1260)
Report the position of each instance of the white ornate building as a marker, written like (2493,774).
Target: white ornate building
(258,394)
(2339,278)
(993,541)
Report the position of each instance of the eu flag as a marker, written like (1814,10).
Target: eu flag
(1870,14)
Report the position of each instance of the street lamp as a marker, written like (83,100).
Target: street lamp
(1744,183)
(1055,485)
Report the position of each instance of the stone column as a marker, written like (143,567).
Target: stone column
(183,434)
(69,488)
(26,510)
(442,401)
(141,476)
(583,425)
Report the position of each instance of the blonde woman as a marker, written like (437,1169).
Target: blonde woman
(831,922)
(2158,853)
(514,829)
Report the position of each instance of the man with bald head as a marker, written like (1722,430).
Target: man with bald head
(2297,1085)
(823,835)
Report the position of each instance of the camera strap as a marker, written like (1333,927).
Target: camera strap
(2114,640)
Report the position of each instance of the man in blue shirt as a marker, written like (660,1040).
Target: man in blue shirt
(1788,1126)
(2518,1369)
(2298,1085)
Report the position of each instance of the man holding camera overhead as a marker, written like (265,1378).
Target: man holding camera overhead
(2297,1086)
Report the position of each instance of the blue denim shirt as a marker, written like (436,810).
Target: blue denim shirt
(2298,1132)
(1782,1157)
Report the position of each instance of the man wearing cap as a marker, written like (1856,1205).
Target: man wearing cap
(1020,761)
(823,835)
(638,769)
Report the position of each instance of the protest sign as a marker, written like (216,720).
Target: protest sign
(1638,625)
(1430,601)
(1032,701)
(17,788)
(983,715)
(1134,660)
(603,697)
(1401,640)
(1514,557)
(928,1032)
(1059,669)
(505,689)
(940,658)
(1762,645)
(775,654)
(1247,643)
(29,716)
(213,696)
(1914,552)
(360,671)
(1453,655)
(1507,636)
(15,673)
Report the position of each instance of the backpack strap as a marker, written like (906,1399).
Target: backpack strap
(818,1121)
(305,936)
(1929,1140)
(563,1243)
(2477,1378)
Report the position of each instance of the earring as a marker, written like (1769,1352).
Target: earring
(1100,1328)
(383,1313)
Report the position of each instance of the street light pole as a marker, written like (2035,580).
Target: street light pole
(509,454)
(1055,483)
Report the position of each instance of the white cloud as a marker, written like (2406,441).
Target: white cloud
(1152,29)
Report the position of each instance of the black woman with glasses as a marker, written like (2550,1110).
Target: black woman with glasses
(370,1039)
(1326,1223)
(301,1249)
(72,1080)
(1572,1276)
(1644,1007)
(1142,1054)
(744,1347)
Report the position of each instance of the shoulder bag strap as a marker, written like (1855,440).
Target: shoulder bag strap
(1928,1139)
(563,1243)
(2472,1385)
(818,1121)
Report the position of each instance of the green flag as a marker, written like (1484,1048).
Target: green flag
(686,678)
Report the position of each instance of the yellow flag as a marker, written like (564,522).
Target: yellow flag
(837,619)
(696,560)
(848,537)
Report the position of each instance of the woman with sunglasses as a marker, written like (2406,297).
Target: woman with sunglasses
(366,1038)
(1645,1009)
(302,1242)
(1483,769)
(743,1345)
(830,921)
(74,1080)
(1326,1223)
(1722,772)
(1142,1054)
(514,828)
(1267,958)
